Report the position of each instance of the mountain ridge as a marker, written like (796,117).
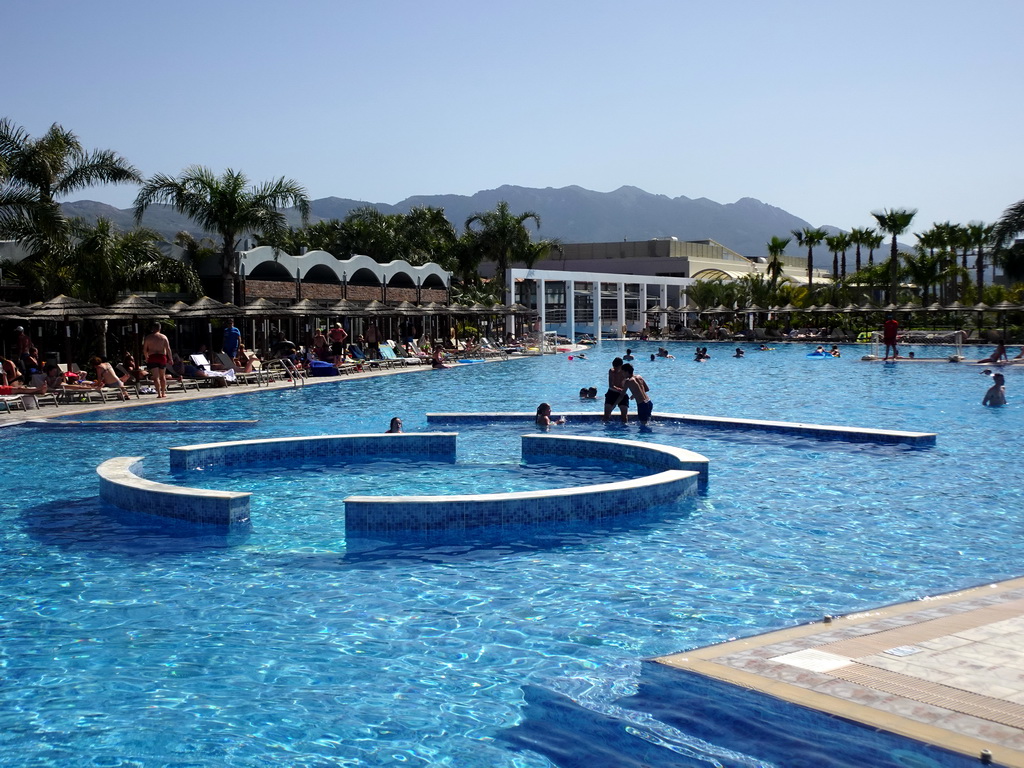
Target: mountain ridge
(572,214)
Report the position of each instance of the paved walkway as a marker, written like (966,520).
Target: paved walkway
(946,670)
(72,409)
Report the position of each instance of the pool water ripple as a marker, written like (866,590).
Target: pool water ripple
(132,642)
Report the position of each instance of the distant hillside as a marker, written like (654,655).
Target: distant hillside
(572,214)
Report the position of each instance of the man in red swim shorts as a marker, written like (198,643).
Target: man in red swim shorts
(156,348)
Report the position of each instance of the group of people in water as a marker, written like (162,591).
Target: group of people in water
(624,384)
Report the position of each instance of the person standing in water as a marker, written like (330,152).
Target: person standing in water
(637,387)
(889,332)
(613,397)
(996,394)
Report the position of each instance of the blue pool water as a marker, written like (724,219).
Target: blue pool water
(131,642)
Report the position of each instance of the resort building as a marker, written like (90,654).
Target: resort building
(602,304)
(323,278)
(669,257)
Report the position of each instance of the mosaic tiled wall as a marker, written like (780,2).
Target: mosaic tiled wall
(818,431)
(378,515)
(428,446)
(121,485)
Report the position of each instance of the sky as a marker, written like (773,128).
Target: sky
(826,110)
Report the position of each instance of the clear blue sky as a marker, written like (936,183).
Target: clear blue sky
(828,110)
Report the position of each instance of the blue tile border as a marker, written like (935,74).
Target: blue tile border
(675,473)
(121,485)
(819,431)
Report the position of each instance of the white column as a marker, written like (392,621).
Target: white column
(540,309)
(620,306)
(643,304)
(570,308)
(510,298)
(597,310)
(663,302)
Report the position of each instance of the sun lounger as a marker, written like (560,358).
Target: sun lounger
(11,403)
(241,376)
(388,355)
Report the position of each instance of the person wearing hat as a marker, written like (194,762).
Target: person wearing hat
(24,342)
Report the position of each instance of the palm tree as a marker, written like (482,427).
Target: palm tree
(810,237)
(837,244)
(225,205)
(894,222)
(34,173)
(371,233)
(502,237)
(979,234)
(428,235)
(98,262)
(858,237)
(1010,224)
(924,270)
(872,241)
(776,248)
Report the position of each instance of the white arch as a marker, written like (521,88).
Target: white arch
(340,267)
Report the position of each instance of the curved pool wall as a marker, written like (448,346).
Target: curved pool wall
(121,485)
(820,431)
(427,446)
(679,473)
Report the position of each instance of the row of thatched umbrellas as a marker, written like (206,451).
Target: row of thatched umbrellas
(956,306)
(67,309)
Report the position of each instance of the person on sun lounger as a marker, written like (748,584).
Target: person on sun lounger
(107,377)
(14,389)
(998,356)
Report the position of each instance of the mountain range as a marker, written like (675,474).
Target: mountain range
(571,214)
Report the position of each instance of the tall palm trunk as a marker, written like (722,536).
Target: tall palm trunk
(227,270)
(893,271)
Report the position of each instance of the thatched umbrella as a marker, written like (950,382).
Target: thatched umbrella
(14,311)
(136,307)
(208,308)
(342,307)
(407,309)
(262,309)
(66,309)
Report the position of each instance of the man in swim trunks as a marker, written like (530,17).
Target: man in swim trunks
(156,348)
(635,385)
(338,337)
(613,397)
(889,331)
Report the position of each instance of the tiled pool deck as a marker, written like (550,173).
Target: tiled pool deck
(946,670)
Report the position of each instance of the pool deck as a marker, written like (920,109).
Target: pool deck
(945,670)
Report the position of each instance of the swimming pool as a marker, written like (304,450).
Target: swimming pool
(135,642)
